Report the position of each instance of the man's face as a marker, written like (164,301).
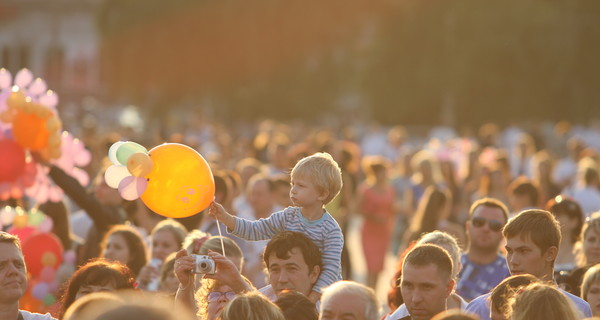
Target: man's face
(424,290)
(343,306)
(524,256)
(13,274)
(291,273)
(482,228)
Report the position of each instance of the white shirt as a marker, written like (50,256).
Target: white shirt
(35,316)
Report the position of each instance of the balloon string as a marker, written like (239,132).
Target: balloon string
(221,236)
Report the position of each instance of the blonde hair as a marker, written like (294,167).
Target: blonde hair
(175,228)
(206,286)
(251,306)
(590,276)
(444,240)
(323,171)
(550,304)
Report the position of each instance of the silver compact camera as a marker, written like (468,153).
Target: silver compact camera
(204,264)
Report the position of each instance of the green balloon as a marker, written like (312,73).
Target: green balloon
(127,149)
(36,217)
(49,300)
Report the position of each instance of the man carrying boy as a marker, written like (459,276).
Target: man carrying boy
(316,180)
(532,242)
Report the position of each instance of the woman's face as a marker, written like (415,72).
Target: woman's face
(117,249)
(215,307)
(591,247)
(593,298)
(90,288)
(163,244)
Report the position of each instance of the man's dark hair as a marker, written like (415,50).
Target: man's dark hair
(522,186)
(296,306)
(426,254)
(283,243)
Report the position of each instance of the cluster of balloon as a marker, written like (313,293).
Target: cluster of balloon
(172,179)
(30,108)
(48,265)
(28,122)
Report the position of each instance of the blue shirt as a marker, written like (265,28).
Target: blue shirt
(477,279)
(325,233)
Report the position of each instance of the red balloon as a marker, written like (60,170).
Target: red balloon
(13,160)
(42,250)
(23,233)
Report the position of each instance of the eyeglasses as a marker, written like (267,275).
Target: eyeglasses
(494,225)
(216,295)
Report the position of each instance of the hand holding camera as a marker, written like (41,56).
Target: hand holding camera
(204,264)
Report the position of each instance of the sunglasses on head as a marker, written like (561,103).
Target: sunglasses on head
(216,295)
(494,225)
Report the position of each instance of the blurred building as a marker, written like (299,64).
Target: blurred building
(57,40)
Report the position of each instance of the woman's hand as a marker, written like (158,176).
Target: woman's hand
(184,265)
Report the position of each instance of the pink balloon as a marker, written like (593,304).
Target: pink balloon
(69,257)
(5,79)
(47,274)
(132,188)
(49,99)
(38,87)
(46,225)
(23,78)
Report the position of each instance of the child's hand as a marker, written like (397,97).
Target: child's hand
(217,211)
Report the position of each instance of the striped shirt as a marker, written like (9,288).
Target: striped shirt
(325,233)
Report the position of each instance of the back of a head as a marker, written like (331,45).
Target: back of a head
(502,293)
(446,242)
(92,305)
(296,306)
(356,289)
(214,244)
(524,187)
(538,225)
(251,306)
(134,305)
(549,302)
(455,314)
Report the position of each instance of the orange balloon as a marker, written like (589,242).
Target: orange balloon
(30,130)
(180,184)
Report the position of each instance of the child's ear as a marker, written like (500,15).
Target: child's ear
(324,194)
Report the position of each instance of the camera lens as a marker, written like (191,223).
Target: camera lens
(203,265)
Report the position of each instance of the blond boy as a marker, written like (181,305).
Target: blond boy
(315,181)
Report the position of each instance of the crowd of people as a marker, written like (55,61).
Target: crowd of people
(500,224)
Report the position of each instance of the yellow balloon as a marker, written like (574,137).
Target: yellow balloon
(139,164)
(180,184)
